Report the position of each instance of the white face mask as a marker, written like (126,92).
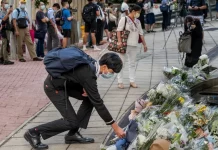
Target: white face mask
(6,6)
(42,7)
(22,6)
(137,15)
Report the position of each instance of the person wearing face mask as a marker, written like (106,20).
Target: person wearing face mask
(124,8)
(41,21)
(73,84)
(5,32)
(193,26)
(67,22)
(53,40)
(21,22)
(135,36)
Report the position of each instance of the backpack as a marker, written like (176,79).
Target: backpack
(88,14)
(59,61)
(185,41)
(164,8)
(21,22)
(62,21)
(18,21)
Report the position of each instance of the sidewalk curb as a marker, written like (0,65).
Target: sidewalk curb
(21,126)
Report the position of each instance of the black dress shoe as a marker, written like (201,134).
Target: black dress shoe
(77,138)
(1,60)
(37,59)
(22,60)
(8,62)
(35,141)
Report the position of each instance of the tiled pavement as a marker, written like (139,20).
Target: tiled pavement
(148,73)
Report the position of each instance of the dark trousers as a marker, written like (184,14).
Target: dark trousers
(165,20)
(169,18)
(53,40)
(70,120)
(100,30)
(40,47)
(142,20)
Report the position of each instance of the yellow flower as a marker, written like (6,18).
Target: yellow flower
(202,108)
(181,100)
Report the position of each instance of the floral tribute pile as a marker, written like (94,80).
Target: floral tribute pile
(169,116)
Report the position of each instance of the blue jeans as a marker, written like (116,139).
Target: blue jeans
(40,48)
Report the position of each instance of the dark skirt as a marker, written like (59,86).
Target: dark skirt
(192,58)
(150,18)
(111,25)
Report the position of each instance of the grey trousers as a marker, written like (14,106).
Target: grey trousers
(71,120)
(53,40)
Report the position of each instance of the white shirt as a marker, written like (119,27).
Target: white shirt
(124,7)
(147,7)
(97,66)
(135,30)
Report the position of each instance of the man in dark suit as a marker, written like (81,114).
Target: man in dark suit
(80,83)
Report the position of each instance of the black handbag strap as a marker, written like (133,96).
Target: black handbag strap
(124,28)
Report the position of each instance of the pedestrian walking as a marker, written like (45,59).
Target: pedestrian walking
(142,14)
(124,8)
(100,25)
(149,18)
(41,21)
(21,22)
(193,25)
(53,40)
(111,18)
(58,16)
(79,83)
(165,14)
(67,18)
(216,9)
(5,32)
(196,8)
(135,37)
(90,13)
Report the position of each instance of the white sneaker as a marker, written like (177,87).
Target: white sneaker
(85,49)
(96,49)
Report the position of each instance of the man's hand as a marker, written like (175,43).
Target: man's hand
(145,48)
(119,131)
(119,45)
(196,8)
(190,8)
(10,10)
(17,33)
(193,26)
(46,18)
(84,94)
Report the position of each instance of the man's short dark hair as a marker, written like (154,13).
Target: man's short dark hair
(90,0)
(64,2)
(56,5)
(113,61)
(109,4)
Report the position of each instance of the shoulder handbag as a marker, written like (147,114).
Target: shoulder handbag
(112,17)
(185,40)
(124,36)
(38,34)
